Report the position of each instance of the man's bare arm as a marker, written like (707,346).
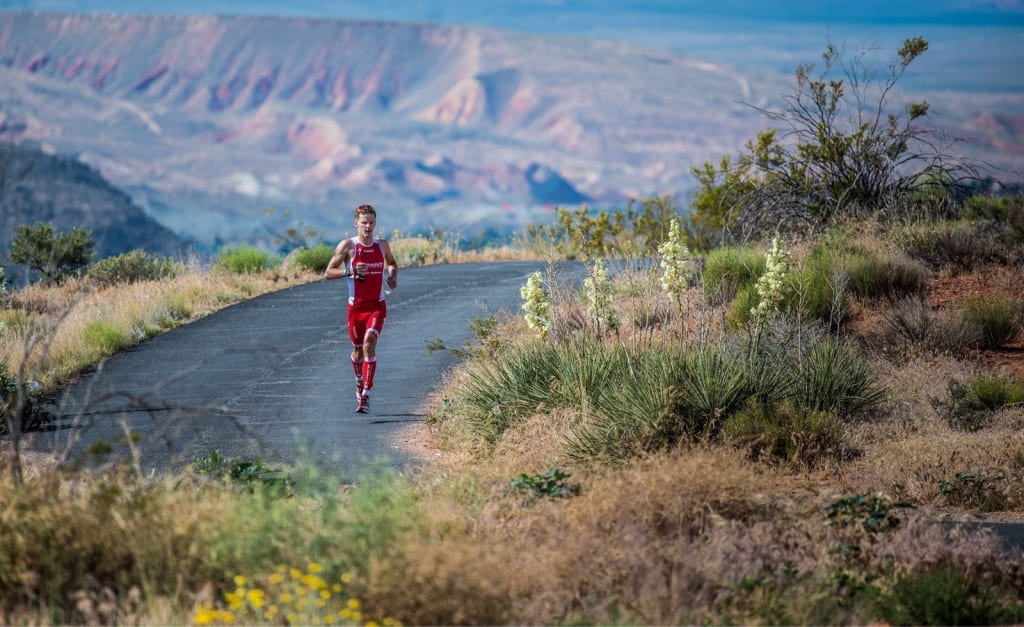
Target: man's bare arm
(392,264)
(336,266)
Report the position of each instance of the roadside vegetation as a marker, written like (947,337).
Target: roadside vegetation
(764,411)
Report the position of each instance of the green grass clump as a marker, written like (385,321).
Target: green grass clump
(132,267)
(893,277)
(245,260)
(785,433)
(106,338)
(314,259)
(728,270)
(995,392)
(997,320)
(956,246)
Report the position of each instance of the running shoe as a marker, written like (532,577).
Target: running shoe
(364,405)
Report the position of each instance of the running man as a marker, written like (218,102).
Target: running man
(362,260)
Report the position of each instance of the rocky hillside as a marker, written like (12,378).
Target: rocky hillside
(208,120)
(40,187)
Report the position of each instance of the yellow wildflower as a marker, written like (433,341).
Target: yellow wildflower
(313,567)
(255,598)
(240,580)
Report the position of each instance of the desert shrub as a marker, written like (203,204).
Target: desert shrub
(1006,210)
(635,411)
(817,289)
(975,491)
(33,399)
(825,155)
(616,233)
(132,267)
(55,256)
(871,276)
(245,260)
(997,319)
(911,322)
(785,433)
(716,381)
(315,258)
(739,314)
(955,246)
(499,391)
(945,595)
(727,270)
(969,405)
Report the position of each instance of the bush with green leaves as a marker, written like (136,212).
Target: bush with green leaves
(24,402)
(1007,210)
(244,474)
(577,233)
(245,260)
(55,256)
(839,147)
(314,258)
(132,267)
(553,484)
(945,595)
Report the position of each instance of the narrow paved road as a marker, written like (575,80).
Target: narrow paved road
(271,377)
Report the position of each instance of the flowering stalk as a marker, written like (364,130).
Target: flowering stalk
(599,297)
(675,266)
(536,305)
(770,287)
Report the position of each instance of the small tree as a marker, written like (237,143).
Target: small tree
(839,146)
(54,256)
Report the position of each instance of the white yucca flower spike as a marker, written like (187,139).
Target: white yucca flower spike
(770,287)
(536,306)
(599,296)
(675,261)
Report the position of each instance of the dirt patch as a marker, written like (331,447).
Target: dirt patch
(945,294)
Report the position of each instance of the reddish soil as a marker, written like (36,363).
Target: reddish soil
(947,292)
(952,291)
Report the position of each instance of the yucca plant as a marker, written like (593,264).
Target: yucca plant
(831,378)
(634,411)
(716,381)
(507,387)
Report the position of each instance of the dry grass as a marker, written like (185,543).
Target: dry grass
(679,536)
(697,534)
(71,327)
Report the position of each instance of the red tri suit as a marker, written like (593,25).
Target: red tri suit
(366,307)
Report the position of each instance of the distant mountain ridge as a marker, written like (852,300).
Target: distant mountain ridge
(41,187)
(207,120)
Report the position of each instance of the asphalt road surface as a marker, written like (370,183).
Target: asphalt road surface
(270,378)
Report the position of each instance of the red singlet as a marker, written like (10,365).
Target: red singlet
(366,307)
